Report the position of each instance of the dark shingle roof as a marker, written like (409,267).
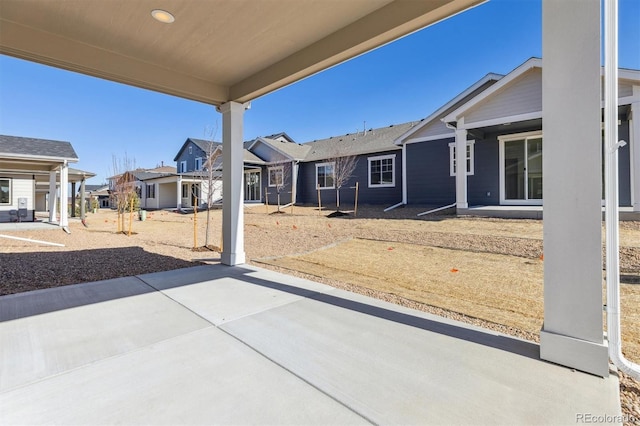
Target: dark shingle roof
(371,141)
(16,146)
(204,144)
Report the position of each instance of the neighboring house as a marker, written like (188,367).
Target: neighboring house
(496,122)
(100,193)
(31,173)
(192,165)
(499,120)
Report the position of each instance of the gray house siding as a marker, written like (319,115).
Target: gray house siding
(428,180)
(483,187)
(190,158)
(308,194)
(267,153)
(624,166)
(272,194)
(523,96)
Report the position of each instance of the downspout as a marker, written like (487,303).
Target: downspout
(611,191)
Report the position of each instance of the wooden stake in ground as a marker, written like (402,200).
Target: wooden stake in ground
(195,226)
(130,215)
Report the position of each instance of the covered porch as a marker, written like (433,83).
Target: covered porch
(244,345)
(103,40)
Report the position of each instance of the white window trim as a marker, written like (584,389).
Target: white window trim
(333,164)
(183,167)
(513,137)
(10,192)
(393,171)
(198,166)
(190,150)
(274,169)
(452,148)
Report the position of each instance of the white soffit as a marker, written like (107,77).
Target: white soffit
(216,50)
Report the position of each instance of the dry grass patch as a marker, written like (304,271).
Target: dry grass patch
(460,281)
(498,288)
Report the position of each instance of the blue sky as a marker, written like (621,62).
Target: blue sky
(403,81)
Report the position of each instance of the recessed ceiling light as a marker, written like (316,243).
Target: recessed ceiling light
(162,16)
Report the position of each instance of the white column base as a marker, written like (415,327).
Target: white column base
(232,259)
(580,354)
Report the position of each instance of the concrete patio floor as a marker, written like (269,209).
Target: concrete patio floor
(242,345)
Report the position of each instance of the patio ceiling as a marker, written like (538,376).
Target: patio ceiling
(216,50)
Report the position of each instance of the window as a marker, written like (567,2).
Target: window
(275,176)
(183,167)
(452,158)
(185,190)
(190,150)
(325,175)
(381,171)
(5,191)
(151,191)
(199,163)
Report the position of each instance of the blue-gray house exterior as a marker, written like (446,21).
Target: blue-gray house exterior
(501,117)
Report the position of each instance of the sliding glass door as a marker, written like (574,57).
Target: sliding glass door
(521,170)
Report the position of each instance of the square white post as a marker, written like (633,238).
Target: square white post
(179,193)
(294,181)
(53,194)
(64,194)
(461,169)
(83,199)
(232,183)
(572,334)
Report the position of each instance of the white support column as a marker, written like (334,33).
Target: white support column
(232,183)
(461,169)
(53,194)
(64,194)
(179,193)
(83,199)
(294,181)
(634,144)
(572,334)
(404,174)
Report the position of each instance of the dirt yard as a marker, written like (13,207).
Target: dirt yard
(482,271)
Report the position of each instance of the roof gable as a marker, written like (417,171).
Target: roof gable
(203,145)
(497,88)
(432,127)
(16,146)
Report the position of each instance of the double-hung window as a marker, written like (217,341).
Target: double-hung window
(151,190)
(382,171)
(325,175)
(5,191)
(198,163)
(183,167)
(453,158)
(276,176)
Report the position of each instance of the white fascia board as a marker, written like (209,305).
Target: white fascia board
(436,114)
(526,66)
(432,138)
(28,157)
(502,120)
(625,74)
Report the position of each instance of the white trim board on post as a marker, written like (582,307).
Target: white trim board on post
(572,334)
